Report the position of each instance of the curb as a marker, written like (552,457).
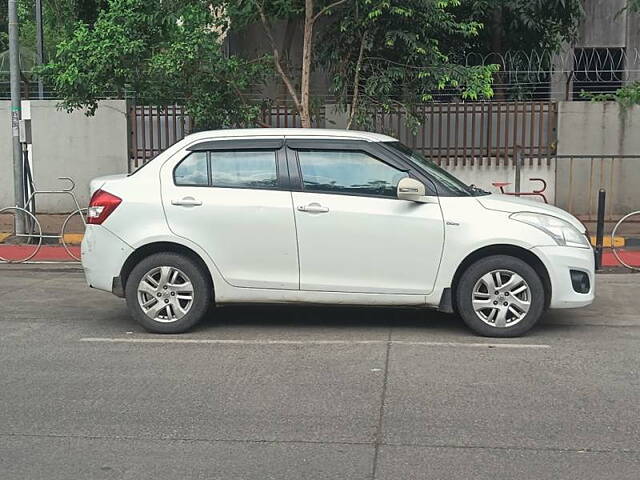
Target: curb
(606,241)
(69,238)
(618,242)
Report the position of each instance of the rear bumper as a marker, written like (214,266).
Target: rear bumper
(103,255)
(559,262)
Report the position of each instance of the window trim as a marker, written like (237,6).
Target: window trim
(238,144)
(348,145)
(282,179)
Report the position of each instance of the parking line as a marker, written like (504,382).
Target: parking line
(309,342)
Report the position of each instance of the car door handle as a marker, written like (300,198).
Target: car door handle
(313,208)
(186,202)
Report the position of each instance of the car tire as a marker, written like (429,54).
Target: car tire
(500,296)
(176,310)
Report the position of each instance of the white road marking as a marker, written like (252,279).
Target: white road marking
(309,342)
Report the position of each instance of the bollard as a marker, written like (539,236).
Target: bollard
(518,165)
(602,195)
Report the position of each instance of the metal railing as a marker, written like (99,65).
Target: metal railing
(470,132)
(449,133)
(580,177)
(153,130)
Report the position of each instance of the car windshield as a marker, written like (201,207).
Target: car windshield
(439,175)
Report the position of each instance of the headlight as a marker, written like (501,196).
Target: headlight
(562,232)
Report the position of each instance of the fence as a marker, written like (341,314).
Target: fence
(285,116)
(153,130)
(449,133)
(579,177)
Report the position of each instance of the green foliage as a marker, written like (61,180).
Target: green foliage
(386,53)
(524,25)
(164,52)
(245,12)
(396,51)
(59,18)
(627,96)
(4,27)
(524,28)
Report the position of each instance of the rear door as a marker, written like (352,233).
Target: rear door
(232,199)
(354,234)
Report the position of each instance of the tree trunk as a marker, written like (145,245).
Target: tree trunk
(356,82)
(307,48)
(276,59)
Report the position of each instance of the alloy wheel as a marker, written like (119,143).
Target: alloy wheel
(165,294)
(501,298)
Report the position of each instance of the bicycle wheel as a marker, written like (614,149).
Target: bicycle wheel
(20,247)
(617,251)
(76,221)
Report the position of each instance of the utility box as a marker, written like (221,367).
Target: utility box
(25,131)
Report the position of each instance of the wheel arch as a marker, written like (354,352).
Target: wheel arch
(148,249)
(504,249)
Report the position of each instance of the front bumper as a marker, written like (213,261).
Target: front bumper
(559,262)
(103,255)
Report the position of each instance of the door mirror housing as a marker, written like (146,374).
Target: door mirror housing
(413,190)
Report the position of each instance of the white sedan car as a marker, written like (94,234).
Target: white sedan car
(326,217)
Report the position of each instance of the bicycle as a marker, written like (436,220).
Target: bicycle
(32,224)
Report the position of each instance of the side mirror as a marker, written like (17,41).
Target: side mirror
(412,190)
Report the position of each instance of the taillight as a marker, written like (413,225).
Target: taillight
(102,204)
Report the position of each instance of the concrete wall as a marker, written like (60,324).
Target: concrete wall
(587,130)
(6,159)
(67,144)
(604,24)
(490,172)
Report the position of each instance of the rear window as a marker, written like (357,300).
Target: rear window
(192,171)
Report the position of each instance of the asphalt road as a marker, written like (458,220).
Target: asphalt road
(310,393)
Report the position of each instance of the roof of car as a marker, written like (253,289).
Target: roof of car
(292,132)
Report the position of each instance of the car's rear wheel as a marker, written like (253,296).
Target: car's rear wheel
(168,293)
(500,296)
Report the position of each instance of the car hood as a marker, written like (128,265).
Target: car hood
(513,204)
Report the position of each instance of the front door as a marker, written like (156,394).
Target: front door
(234,203)
(354,234)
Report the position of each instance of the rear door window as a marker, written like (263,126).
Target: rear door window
(228,169)
(244,169)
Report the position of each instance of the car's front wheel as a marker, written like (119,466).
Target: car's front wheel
(168,293)
(500,296)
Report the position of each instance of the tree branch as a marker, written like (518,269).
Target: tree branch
(276,56)
(325,9)
(356,81)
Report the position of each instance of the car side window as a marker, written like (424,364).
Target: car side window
(192,170)
(244,169)
(349,172)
